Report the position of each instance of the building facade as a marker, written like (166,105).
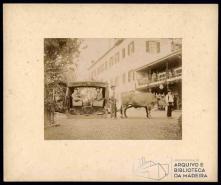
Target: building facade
(147,65)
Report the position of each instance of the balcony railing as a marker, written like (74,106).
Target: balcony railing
(160,77)
(143,81)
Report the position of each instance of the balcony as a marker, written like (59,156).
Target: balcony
(159,78)
(176,45)
(143,81)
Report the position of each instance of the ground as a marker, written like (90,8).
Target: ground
(135,127)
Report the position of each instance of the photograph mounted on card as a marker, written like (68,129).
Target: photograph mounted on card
(104,88)
(110,92)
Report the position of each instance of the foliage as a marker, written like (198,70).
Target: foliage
(64,48)
(58,54)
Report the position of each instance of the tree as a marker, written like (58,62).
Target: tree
(58,53)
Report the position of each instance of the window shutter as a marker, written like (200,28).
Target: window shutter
(106,65)
(115,58)
(123,78)
(123,52)
(158,47)
(147,46)
(129,76)
(133,46)
(110,63)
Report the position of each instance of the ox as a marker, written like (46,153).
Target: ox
(137,100)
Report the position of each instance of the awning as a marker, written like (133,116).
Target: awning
(163,59)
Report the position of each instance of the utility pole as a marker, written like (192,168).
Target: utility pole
(167,74)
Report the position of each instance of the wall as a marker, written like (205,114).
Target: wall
(135,60)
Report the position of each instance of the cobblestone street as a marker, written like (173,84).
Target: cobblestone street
(136,126)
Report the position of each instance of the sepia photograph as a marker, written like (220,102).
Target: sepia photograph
(113,88)
(95,93)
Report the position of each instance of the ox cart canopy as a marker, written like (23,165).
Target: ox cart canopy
(87,98)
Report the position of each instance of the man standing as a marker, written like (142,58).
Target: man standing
(169,101)
(113,107)
(50,110)
(113,104)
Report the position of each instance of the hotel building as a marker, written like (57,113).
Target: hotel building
(147,65)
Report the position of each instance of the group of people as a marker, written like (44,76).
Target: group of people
(155,75)
(77,95)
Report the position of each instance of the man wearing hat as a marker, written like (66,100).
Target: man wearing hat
(169,101)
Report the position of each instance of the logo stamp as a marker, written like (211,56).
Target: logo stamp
(150,169)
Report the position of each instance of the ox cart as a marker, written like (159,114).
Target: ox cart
(88,98)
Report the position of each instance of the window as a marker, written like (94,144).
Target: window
(110,62)
(100,68)
(103,67)
(123,53)
(124,78)
(131,48)
(152,47)
(130,76)
(106,65)
(117,58)
(112,82)
(117,81)
(176,44)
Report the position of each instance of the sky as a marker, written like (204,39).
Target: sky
(95,49)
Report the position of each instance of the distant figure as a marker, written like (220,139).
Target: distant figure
(99,95)
(158,96)
(161,102)
(154,76)
(162,95)
(76,96)
(169,101)
(170,74)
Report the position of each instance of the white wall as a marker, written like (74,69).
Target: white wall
(137,59)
